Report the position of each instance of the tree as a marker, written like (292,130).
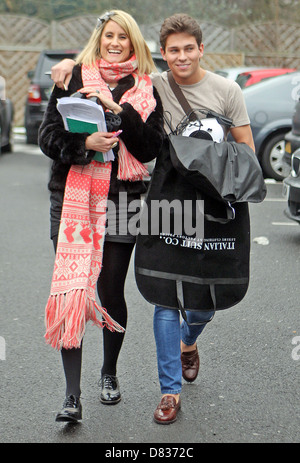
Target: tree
(226,12)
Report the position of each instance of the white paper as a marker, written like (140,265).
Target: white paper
(84,110)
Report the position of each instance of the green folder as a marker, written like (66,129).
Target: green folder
(99,156)
(77,126)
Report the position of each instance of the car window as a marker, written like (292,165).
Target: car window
(47,63)
(221,73)
(160,64)
(242,79)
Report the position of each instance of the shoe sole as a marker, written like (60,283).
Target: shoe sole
(165,422)
(189,380)
(67,419)
(110,402)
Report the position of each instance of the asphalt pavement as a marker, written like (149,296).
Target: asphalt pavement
(247,389)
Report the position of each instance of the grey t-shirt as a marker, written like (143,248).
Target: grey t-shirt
(213,92)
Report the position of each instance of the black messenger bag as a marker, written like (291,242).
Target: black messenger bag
(201,270)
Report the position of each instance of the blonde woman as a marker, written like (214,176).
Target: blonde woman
(114,66)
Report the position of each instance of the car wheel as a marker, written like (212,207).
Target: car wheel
(31,137)
(272,160)
(8,148)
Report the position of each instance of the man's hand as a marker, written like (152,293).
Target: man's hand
(61,73)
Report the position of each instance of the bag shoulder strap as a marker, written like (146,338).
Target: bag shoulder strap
(180,96)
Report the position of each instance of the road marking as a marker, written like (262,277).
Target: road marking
(290,224)
(263,240)
(27,149)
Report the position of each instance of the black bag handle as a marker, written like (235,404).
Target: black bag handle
(230,212)
(180,300)
(189,111)
(180,97)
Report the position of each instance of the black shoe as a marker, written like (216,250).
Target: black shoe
(72,410)
(110,392)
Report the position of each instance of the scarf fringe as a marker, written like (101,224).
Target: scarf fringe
(66,317)
(129,168)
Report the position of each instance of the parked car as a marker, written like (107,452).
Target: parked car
(6,120)
(232,73)
(270,107)
(291,184)
(292,138)
(245,79)
(291,189)
(160,63)
(41,84)
(40,88)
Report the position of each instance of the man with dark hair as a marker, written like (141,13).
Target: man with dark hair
(179,23)
(182,48)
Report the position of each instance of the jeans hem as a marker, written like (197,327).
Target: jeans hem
(189,343)
(171,392)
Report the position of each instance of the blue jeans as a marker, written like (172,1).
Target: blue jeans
(168,332)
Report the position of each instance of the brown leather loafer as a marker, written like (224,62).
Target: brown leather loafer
(190,365)
(167,409)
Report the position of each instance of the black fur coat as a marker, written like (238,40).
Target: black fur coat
(143,140)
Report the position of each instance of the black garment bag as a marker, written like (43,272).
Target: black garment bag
(192,252)
(206,269)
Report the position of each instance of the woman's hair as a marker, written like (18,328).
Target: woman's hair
(180,23)
(91,51)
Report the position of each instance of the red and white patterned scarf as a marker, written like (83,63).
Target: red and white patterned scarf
(78,260)
(140,96)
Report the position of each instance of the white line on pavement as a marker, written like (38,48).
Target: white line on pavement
(290,224)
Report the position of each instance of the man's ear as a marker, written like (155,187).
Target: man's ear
(201,49)
(163,54)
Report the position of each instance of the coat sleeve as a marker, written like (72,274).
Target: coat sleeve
(56,142)
(143,139)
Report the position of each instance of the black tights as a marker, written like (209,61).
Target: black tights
(110,286)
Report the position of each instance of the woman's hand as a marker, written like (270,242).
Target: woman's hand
(107,103)
(101,141)
(61,73)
